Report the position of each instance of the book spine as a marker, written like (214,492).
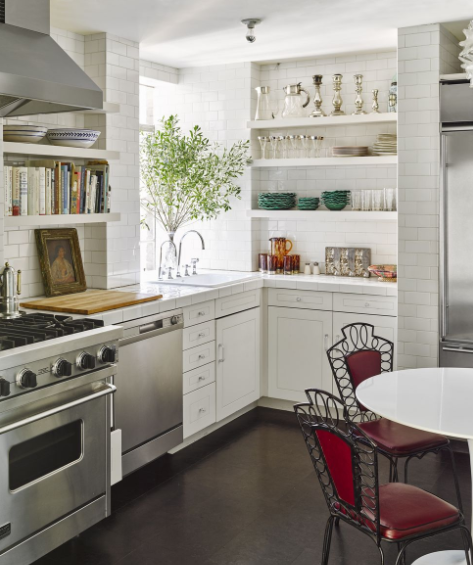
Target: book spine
(16,192)
(65,190)
(93,193)
(47,191)
(83,178)
(87,192)
(36,192)
(42,191)
(23,191)
(109,199)
(31,181)
(74,194)
(8,190)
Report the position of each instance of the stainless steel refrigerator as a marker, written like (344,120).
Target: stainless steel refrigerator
(456,225)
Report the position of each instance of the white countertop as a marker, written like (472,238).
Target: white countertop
(176,296)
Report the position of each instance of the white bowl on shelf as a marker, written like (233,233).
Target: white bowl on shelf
(23,133)
(73,137)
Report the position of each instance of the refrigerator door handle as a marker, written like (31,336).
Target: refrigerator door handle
(443,231)
(457,350)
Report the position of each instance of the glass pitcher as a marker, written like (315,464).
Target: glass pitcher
(263,104)
(294,103)
(280,247)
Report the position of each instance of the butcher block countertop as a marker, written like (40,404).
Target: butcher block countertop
(92,301)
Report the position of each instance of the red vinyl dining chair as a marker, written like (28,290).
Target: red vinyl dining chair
(346,464)
(358,356)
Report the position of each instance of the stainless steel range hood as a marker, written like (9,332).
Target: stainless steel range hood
(36,74)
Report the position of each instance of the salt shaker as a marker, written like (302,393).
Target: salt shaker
(316,269)
(307,270)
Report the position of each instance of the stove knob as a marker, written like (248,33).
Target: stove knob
(26,379)
(62,368)
(4,387)
(174,320)
(107,354)
(85,361)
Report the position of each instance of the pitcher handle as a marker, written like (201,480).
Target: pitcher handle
(290,243)
(307,97)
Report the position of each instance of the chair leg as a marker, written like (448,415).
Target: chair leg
(467,542)
(395,470)
(327,540)
(381,552)
(337,522)
(390,471)
(455,478)
(400,555)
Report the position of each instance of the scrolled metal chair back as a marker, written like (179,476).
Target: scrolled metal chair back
(356,338)
(328,446)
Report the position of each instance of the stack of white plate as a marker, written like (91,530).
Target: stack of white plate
(355,151)
(23,133)
(73,137)
(386,144)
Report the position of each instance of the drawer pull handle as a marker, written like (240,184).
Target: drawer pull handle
(299,299)
(202,334)
(202,410)
(201,313)
(367,304)
(201,378)
(201,356)
(220,349)
(326,345)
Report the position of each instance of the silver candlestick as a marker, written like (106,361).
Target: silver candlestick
(358,100)
(337,98)
(318,112)
(375,104)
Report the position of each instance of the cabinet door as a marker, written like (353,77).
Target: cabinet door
(296,350)
(384,326)
(238,361)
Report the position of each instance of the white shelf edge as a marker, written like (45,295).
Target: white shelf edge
(385,117)
(108,108)
(53,151)
(341,215)
(59,219)
(453,76)
(324,162)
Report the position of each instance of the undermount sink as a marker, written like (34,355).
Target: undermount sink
(211,279)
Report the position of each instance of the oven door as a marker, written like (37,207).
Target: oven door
(53,460)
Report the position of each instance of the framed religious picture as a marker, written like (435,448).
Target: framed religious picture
(60,261)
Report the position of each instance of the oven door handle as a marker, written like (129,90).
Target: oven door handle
(107,389)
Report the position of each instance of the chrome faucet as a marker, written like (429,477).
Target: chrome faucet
(167,242)
(180,250)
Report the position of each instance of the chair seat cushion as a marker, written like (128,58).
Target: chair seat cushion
(405,510)
(400,440)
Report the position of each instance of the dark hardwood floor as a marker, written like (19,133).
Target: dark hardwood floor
(245,495)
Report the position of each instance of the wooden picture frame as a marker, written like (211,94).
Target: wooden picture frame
(60,261)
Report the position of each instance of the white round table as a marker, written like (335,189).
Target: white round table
(438,400)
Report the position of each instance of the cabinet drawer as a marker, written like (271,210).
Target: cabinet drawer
(365,304)
(237,303)
(199,410)
(300,299)
(198,356)
(198,334)
(198,378)
(199,313)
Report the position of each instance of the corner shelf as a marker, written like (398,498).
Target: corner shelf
(341,215)
(55,152)
(381,118)
(59,219)
(324,162)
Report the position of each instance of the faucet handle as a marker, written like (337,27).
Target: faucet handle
(170,270)
(186,274)
(194,266)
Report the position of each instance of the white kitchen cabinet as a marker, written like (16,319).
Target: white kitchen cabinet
(238,361)
(296,352)
(198,410)
(385,326)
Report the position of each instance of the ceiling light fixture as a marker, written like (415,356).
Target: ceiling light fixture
(466,55)
(250,23)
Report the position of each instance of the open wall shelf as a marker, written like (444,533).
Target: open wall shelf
(54,152)
(59,219)
(279,123)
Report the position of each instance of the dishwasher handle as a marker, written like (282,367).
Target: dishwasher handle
(151,327)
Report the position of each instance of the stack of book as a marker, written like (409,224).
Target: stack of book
(54,187)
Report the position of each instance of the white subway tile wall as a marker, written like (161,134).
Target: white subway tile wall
(424,53)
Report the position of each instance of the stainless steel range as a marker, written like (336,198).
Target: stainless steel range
(55,388)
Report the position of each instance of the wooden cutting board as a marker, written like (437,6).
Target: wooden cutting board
(91,302)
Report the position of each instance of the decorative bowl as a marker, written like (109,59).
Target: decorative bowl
(335,205)
(23,133)
(70,137)
(385,273)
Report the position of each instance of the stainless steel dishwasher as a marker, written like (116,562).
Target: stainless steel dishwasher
(148,401)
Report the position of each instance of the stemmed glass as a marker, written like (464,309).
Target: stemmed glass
(263,141)
(273,140)
(292,144)
(301,140)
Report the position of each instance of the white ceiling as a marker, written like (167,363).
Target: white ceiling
(205,32)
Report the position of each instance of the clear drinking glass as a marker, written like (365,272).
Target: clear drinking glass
(329,145)
(356,200)
(292,141)
(366,200)
(377,203)
(285,146)
(320,146)
(300,145)
(390,199)
(264,143)
(273,140)
(312,143)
